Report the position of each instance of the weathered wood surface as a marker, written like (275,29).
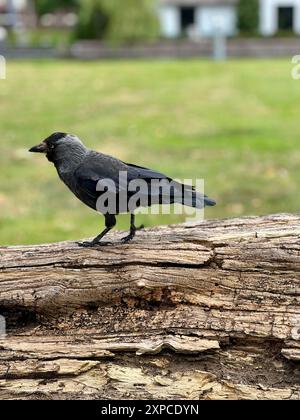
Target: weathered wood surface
(196,311)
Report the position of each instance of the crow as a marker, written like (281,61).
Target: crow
(94,177)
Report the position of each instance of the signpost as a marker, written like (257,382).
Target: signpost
(219,40)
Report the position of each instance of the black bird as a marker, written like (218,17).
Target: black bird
(82,169)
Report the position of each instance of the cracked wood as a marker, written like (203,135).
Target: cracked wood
(202,310)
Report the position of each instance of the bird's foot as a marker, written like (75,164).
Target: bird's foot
(131,236)
(94,244)
(128,239)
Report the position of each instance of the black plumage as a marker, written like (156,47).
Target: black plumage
(82,170)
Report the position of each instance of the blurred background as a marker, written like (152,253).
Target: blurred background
(193,88)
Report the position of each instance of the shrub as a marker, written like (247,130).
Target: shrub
(248,16)
(117,20)
(48,6)
(93,20)
(134,21)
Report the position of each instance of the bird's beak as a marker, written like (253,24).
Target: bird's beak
(41,148)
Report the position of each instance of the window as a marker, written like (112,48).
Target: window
(187,17)
(285,18)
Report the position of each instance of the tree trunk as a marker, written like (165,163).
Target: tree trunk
(196,311)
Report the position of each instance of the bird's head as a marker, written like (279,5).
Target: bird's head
(60,146)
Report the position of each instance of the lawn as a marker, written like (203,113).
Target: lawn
(235,124)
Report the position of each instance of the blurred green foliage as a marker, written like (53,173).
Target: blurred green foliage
(248,16)
(93,19)
(117,21)
(137,21)
(48,37)
(48,6)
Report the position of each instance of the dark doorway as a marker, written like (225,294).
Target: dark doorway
(187,17)
(285,18)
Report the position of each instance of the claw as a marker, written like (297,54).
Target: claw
(127,239)
(85,244)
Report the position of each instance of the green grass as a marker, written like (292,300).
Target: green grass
(236,124)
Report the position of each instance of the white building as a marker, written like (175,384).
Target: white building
(203,17)
(279,15)
(200,17)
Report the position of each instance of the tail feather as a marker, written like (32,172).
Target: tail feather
(186,195)
(197,200)
(209,202)
(200,201)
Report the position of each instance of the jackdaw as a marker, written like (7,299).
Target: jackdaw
(84,171)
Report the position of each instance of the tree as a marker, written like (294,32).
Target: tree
(118,21)
(48,6)
(135,21)
(93,19)
(248,16)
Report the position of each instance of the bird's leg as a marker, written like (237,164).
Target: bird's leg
(110,222)
(96,241)
(133,230)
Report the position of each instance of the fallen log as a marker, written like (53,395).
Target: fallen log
(196,311)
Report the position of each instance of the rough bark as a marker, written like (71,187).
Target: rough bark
(197,311)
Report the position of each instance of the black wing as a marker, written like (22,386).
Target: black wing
(98,167)
(144,173)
